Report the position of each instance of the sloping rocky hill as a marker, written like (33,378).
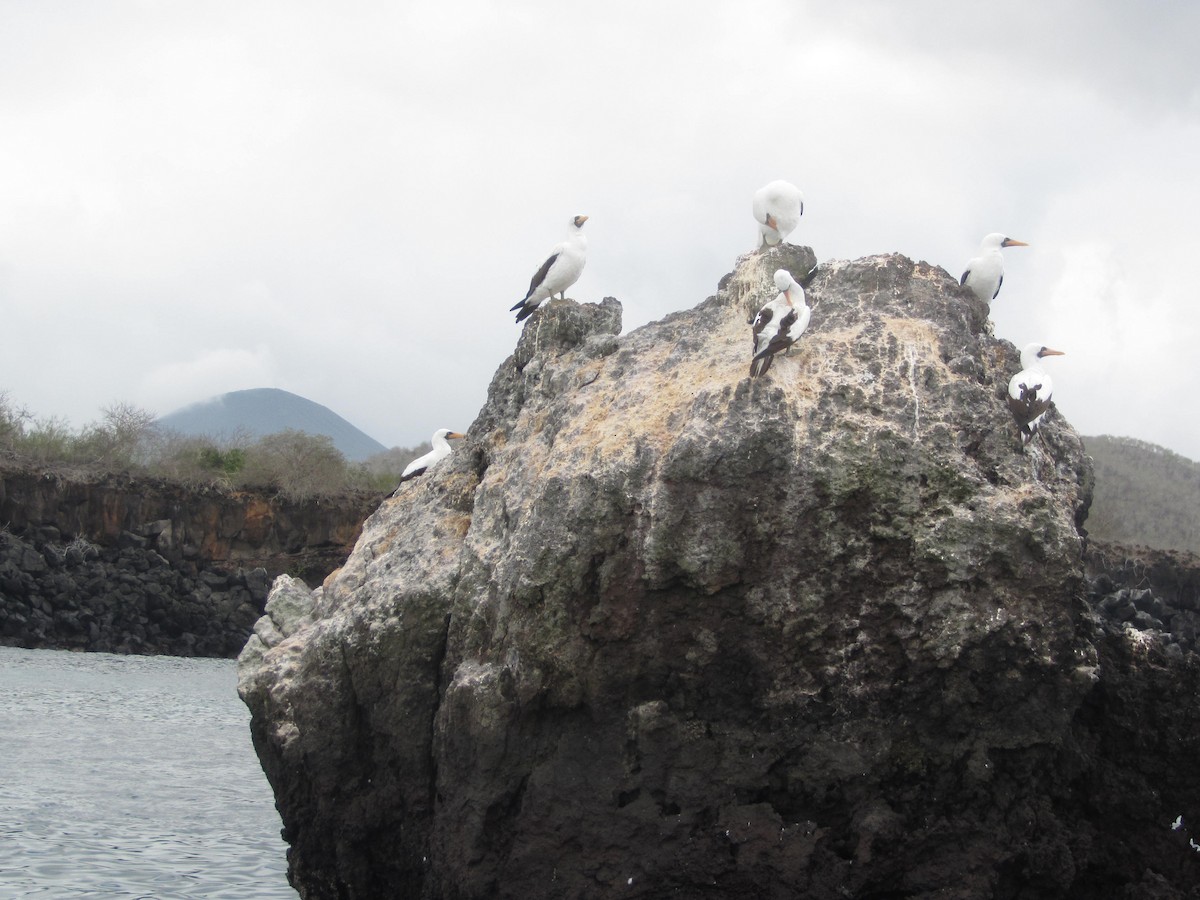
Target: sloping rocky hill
(1145,495)
(659,630)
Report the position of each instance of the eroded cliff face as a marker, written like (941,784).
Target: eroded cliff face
(125,564)
(189,526)
(662,630)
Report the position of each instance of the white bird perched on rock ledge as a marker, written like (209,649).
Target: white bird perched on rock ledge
(1030,390)
(778,207)
(441,449)
(985,272)
(560,270)
(779,323)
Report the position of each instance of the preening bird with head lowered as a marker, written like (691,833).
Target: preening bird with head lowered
(777,209)
(779,323)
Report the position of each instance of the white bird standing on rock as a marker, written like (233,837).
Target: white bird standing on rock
(441,449)
(560,270)
(779,323)
(985,272)
(778,207)
(1030,390)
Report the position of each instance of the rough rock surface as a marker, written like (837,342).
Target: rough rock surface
(658,630)
(203,525)
(125,598)
(1156,592)
(139,565)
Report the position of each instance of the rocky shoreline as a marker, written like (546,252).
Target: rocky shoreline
(122,564)
(69,593)
(1153,592)
(75,595)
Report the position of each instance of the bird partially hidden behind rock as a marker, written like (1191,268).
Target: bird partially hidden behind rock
(777,207)
(779,323)
(1030,391)
(560,270)
(985,273)
(441,449)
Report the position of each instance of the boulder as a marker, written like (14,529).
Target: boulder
(658,629)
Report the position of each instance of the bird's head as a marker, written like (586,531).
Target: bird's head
(783,279)
(578,221)
(996,240)
(1031,353)
(447,434)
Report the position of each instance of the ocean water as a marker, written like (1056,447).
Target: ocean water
(131,776)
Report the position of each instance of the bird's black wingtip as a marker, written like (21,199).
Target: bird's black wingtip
(411,475)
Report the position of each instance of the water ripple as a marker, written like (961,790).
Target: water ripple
(132,777)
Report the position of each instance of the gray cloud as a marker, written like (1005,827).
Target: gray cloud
(345,202)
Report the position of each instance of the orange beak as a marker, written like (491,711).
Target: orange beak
(1009,242)
(1046,351)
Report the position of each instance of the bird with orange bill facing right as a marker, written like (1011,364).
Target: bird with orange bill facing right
(1030,391)
(985,272)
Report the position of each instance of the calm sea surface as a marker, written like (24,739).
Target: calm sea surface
(131,776)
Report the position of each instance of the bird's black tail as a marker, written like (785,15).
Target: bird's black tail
(760,364)
(525,312)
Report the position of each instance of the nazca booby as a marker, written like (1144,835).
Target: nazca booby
(1030,390)
(441,449)
(779,323)
(778,207)
(560,270)
(985,273)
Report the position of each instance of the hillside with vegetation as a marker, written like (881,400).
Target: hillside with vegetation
(292,463)
(263,411)
(1144,494)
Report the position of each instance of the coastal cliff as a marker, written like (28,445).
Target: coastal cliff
(658,630)
(126,564)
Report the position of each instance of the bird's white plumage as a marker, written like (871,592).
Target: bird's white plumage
(1031,389)
(777,207)
(779,323)
(985,273)
(561,269)
(441,449)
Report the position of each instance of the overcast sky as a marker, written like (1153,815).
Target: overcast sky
(344,200)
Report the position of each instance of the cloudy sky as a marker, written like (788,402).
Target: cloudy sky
(343,200)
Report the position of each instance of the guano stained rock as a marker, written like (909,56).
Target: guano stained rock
(658,630)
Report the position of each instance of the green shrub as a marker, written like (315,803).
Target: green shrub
(297,465)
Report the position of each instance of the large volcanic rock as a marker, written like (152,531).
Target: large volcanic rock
(659,630)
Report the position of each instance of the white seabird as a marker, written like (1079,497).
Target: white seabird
(1030,390)
(560,270)
(985,273)
(778,207)
(441,449)
(779,323)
